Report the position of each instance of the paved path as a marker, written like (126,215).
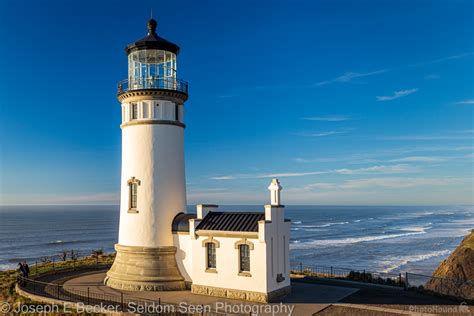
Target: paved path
(306,298)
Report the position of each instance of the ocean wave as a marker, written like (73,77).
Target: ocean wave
(352,240)
(323,225)
(396,262)
(416,228)
(297,222)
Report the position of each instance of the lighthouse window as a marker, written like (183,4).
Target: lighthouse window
(133,194)
(176,112)
(244,262)
(134,111)
(211,255)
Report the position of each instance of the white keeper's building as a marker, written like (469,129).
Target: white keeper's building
(242,255)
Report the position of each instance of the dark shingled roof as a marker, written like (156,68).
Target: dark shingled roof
(231,221)
(152,41)
(181,222)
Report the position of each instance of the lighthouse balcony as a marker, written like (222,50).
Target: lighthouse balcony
(153,83)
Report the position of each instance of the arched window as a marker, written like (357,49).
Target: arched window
(133,195)
(211,255)
(244,258)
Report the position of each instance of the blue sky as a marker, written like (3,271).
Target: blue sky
(367,102)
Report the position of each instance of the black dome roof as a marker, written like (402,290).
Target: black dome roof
(152,41)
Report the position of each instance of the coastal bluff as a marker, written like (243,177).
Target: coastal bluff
(455,275)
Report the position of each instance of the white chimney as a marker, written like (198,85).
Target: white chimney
(275,189)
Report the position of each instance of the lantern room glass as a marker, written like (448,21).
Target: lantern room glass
(152,69)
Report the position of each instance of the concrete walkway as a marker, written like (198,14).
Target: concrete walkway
(305,299)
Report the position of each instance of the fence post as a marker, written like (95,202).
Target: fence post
(87,296)
(406,280)
(53,263)
(400,280)
(34,287)
(58,291)
(36,267)
(121,301)
(301,267)
(332,272)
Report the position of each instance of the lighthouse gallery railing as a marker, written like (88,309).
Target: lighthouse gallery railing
(164,83)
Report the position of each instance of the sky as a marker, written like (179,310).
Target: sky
(346,102)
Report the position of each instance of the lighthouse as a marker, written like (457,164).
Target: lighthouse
(153,187)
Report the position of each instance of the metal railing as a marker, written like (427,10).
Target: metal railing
(441,285)
(359,275)
(445,286)
(163,83)
(81,293)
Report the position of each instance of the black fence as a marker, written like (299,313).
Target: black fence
(360,275)
(445,286)
(80,293)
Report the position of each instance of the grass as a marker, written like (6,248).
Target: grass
(8,278)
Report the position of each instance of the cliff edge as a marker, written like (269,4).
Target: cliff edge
(455,275)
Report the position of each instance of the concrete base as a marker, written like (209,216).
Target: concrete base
(145,269)
(273,296)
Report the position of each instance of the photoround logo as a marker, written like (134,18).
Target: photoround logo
(4,307)
(463,308)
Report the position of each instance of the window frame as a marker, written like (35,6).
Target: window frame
(134,111)
(211,257)
(133,184)
(242,268)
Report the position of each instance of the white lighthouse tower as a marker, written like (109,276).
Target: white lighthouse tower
(153,188)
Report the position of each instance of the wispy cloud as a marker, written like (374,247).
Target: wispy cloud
(419,159)
(321,134)
(465,102)
(429,137)
(349,76)
(397,182)
(379,169)
(397,94)
(399,168)
(442,59)
(63,199)
(328,118)
(224,178)
(378,182)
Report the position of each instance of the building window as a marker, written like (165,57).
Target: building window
(158,111)
(244,262)
(176,112)
(133,195)
(211,255)
(134,111)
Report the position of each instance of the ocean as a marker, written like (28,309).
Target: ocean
(388,239)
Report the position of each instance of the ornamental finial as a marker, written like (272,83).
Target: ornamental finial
(152,26)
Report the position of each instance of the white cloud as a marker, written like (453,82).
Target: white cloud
(466,102)
(381,169)
(400,168)
(321,134)
(428,137)
(418,159)
(328,118)
(397,182)
(397,94)
(224,178)
(439,60)
(349,76)
(66,199)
